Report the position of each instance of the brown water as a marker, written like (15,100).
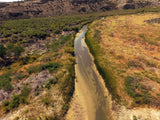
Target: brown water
(88,83)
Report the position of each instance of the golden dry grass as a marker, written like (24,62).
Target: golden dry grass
(131,48)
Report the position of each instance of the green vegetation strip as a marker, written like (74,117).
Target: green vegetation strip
(42,27)
(97,51)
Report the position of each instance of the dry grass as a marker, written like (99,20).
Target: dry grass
(130,49)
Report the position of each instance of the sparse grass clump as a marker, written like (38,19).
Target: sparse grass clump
(5,82)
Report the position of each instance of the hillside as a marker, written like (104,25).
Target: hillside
(39,8)
(37,66)
(127,55)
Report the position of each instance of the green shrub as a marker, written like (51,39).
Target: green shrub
(24,94)
(65,38)
(21,76)
(34,69)
(67,85)
(46,101)
(70,50)
(6,109)
(5,103)
(129,87)
(15,101)
(15,49)
(142,96)
(53,80)
(36,33)
(36,93)
(21,98)
(25,91)
(66,107)
(38,68)
(28,59)
(2,51)
(50,66)
(7,33)
(5,82)
(134,117)
(47,85)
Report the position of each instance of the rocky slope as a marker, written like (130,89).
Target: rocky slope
(40,8)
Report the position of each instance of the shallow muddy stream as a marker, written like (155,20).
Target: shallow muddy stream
(88,84)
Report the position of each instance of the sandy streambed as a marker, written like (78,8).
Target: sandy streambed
(91,100)
(89,90)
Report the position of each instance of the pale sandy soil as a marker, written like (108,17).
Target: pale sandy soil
(77,110)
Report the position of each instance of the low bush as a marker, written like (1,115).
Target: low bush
(5,103)
(70,50)
(134,117)
(64,39)
(47,100)
(2,51)
(15,102)
(5,82)
(14,50)
(38,68)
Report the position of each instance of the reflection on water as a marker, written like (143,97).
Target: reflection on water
(90,77)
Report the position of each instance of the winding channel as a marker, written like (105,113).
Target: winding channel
(88,85)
